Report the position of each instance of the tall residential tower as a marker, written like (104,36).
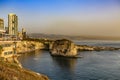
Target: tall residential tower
(12,24)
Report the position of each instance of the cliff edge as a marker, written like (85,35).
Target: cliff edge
(11,68)
(12,71)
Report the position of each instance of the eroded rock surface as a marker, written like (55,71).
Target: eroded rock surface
(63,47)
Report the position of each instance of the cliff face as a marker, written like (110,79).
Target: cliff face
(63,47)
(27,46)
(11,71)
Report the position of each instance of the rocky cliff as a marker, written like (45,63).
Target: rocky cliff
(63,47)
(11,71)
(27,46)
(11,68)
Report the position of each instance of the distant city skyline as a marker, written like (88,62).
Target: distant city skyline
(68,17)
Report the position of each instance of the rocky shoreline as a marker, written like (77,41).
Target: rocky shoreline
(67,48)
(95,48)
(57,48)
(28,46)
(12,69)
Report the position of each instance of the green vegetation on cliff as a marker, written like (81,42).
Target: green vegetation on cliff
(10,71)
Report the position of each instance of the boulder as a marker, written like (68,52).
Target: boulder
(63,47)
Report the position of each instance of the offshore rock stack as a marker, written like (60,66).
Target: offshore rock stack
(67,48)
(63,47)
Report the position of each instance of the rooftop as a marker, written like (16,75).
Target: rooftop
(11,14)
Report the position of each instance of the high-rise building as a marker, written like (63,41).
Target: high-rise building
(1,24)
(12,24)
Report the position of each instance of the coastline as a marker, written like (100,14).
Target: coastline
(29,46)
(11,71)
(21,47)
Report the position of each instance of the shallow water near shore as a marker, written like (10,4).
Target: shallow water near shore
(102,65)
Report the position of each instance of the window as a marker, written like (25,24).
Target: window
(8,53)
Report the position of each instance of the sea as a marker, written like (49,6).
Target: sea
(94,65)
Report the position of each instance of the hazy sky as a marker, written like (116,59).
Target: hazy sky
(70,17)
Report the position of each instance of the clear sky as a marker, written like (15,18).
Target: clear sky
(69,17)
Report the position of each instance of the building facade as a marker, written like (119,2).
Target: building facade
(12,24)
(22,35)
(2,31)
(1,24)
(6,51)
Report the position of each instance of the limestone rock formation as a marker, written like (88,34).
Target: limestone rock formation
(28,46)
(63,47)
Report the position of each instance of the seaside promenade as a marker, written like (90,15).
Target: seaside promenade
(5,42)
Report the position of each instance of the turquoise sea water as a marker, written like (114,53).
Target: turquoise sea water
(102,65)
